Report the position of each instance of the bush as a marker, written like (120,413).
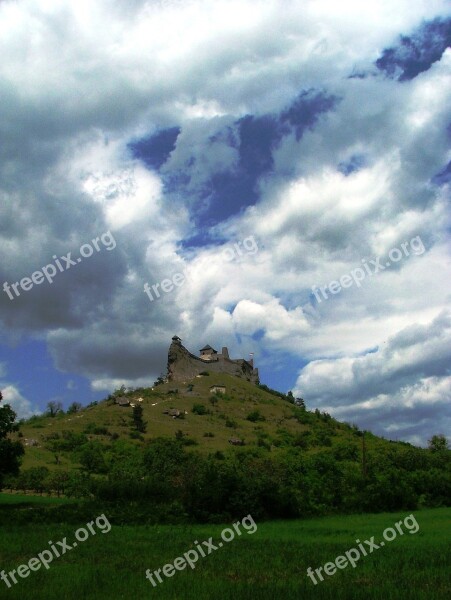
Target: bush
(94,429)
(255,416)
(261,443)
(301,440)
(187,441)
(199,409)
(231,423)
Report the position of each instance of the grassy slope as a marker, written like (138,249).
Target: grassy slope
(243,399)
(267,565)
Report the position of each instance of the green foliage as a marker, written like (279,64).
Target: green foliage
(94,429)
(199,409)
(438,443)
(91,458)
(301,440)
(321,438)
(255,416)
(231,423)
(10,451)
(138,421)
(302,416)
(75,407)
(54,408)
(262,443)
(288,397)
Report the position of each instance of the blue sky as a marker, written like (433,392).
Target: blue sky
(266,150)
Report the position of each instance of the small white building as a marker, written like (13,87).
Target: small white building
(218,389)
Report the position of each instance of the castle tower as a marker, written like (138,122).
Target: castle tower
(208,353)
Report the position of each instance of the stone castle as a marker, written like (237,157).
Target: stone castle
(182,365)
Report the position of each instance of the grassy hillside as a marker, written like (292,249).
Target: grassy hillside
(245,412)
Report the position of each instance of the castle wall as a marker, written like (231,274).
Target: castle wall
(182,365)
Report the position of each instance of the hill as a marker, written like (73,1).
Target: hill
(201,454)
(246,413)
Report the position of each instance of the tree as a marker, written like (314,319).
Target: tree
(10,452)
(91,458)
(75,407)
(35,478)
(55,445)
(300,402)
(159,381)
(438,443)
(57,481)
(53,408)
(120,391)
(139,423)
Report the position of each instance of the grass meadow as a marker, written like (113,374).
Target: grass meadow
(269,564)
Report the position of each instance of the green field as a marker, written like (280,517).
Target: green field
(269,564)
(27,500)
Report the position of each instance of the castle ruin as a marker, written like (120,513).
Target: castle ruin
(182,365)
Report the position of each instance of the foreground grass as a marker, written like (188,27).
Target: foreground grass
(267,565)
(25,499)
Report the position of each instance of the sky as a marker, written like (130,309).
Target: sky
(277,172)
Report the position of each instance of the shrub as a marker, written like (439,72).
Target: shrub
(255,416)
(187,441)
(96,430)
(199,409)
(261,443)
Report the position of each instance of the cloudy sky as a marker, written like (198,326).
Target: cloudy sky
(251,153)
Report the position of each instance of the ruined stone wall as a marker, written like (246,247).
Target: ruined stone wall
(182,365)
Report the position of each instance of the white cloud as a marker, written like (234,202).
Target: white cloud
(121,72)
(22,407)
(402,387)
